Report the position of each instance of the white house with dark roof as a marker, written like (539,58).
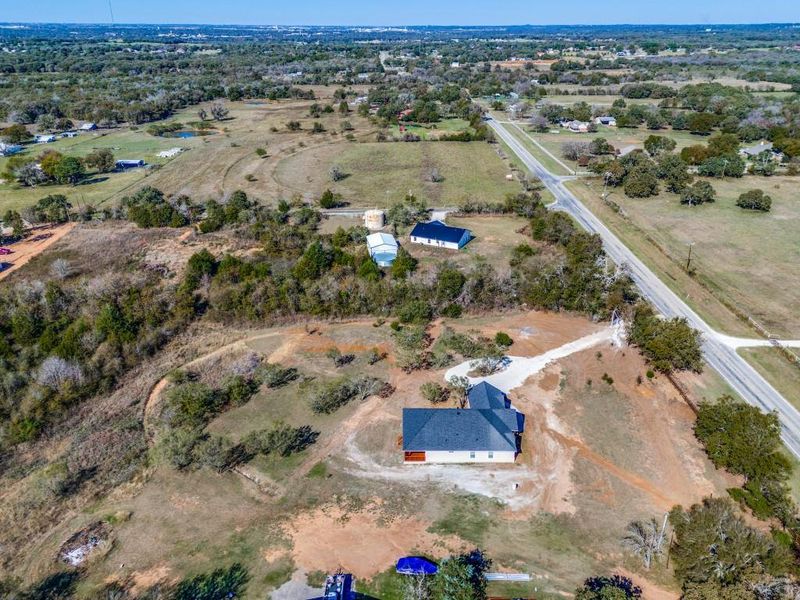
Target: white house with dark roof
(436,233)
(488,431)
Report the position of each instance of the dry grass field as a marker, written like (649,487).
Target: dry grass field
(379,174)
(749,259)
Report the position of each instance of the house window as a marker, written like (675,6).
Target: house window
(491,454)
(472,455)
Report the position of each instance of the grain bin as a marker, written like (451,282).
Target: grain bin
(374,219)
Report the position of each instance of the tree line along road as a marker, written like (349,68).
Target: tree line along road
(718,350)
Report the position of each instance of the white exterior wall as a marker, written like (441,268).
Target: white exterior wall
(443,456)
(437,243)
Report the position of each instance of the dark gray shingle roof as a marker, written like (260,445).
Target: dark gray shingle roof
(454,429)
(485,395)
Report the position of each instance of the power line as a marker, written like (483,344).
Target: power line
(111,11)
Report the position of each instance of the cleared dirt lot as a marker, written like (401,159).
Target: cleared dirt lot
(595,456)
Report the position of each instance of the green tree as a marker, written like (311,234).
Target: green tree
(16,134)
(755,200)
(659,144)
(698,193)
(615,587)
(713,543)
(369,270)
(403,264)
(461,578)
(641,183)
(53,208)
(668,344)
(674,172)
(101,160)
(69,170)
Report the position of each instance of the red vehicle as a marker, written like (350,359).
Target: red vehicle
(4,251)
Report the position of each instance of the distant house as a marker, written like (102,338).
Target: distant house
(45,138)
(69,134)
(607,121)
(88,127)
(755,150)
(578,126)
(438,234)
(170,153)
(382,248)
(490,430)
(455,64)
(129,164)
(9,149)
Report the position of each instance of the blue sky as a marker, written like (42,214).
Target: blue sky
(402,12)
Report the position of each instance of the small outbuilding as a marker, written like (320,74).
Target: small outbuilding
(45,138)
(9,149)
(132,163)
(382,248)
(88,127)
(436,233)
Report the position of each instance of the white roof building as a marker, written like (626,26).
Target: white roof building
(382,248)
(170,153)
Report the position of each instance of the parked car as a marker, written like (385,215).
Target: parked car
(4,266)
(4,251)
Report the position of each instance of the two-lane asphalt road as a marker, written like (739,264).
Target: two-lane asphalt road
(719,353)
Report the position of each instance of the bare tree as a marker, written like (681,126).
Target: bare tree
(646,539)
(56,372)
(460,386)
(202,114)
(416,587)
(60,268)
(574,150)
(218,111)
(336,173)
(436,177)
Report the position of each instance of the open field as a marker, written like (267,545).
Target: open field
(746,258)
(379,174)
(430,131)
(348,501)
(777,369)
(212,167)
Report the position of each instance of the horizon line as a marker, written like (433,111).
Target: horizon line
(451,25)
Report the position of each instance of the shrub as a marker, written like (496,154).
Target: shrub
(667,344)
(755,200)
(330,397)
(434,393)
(502,339)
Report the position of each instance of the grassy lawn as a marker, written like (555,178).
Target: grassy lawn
(729,256)
(620,138)
(379,174)
(543,157)
(778,371)
(494,239)
(431,130)
(125,143)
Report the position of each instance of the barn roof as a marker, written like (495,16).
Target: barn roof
(436,230)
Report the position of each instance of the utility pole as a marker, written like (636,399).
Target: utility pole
(689,259)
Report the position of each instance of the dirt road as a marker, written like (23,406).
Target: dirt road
(37,242)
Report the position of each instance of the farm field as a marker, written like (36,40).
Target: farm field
(430,131)
(380,174)
(213,166)
(580,477)
(744,257)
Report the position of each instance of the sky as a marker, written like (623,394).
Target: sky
(402,12)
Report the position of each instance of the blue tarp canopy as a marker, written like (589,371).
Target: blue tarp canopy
(414,565)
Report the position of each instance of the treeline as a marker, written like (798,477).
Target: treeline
(69,339)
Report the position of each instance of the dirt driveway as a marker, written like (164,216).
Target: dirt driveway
(40,239)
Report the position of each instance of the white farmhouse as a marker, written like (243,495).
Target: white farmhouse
(489,431)
(438,234)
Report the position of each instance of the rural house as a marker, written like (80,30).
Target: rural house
(437,233)
(88,127)
(9,149)
(489,430)
(45,138)
(382,248)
